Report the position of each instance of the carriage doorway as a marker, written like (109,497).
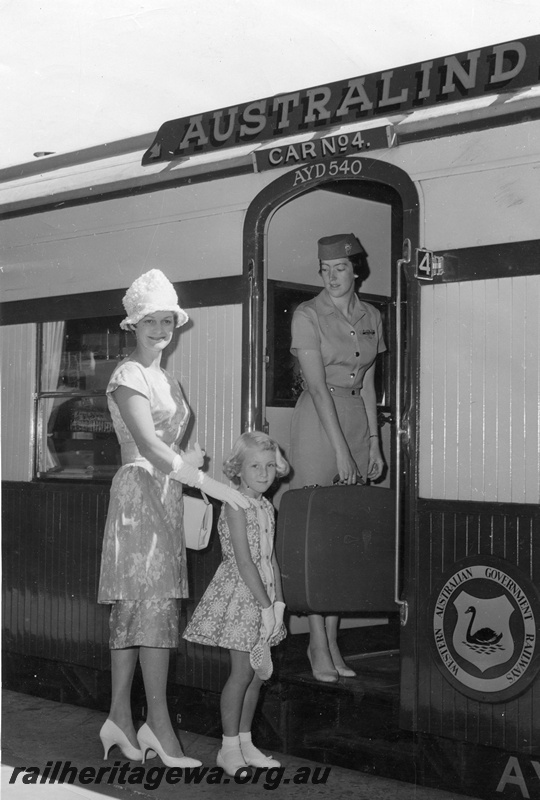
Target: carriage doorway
(373,213)
(281,229)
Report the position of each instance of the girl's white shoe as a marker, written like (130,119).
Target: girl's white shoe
(262,761)
(231,762)
(252,755)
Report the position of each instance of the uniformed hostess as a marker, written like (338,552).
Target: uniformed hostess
(336,337)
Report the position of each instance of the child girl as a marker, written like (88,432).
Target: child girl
(244,600)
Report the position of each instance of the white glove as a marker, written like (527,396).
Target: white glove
(279,610)
(223,492)
(185,473)
(268,621)
(194,457)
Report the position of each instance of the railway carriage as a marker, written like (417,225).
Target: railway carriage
(436,167)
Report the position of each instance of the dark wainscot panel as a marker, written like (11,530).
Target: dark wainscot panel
(451,533)
(52,622)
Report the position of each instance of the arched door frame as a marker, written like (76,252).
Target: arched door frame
(285,188)
(276,194)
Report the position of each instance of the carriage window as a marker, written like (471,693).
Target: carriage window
(75,434)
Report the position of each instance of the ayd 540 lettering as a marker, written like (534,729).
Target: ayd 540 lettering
(331,169)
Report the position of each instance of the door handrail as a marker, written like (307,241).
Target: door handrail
(400,431)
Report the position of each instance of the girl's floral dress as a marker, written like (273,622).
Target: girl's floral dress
(228,615)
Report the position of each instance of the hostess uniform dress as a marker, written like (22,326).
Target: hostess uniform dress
(228,615)
(348,349)
(143,565)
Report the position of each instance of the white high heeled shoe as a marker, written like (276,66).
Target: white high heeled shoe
(111,735)
(324,676)
(148,741)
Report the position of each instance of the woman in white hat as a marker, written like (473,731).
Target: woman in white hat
(336,338)
(143,567)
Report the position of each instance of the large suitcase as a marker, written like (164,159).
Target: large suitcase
(335,546)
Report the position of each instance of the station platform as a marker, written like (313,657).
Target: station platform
(38,733)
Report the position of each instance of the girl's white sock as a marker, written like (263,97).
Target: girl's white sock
(248,748)
(230,743)
(253,755)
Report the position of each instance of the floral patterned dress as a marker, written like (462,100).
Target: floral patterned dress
(143,565)
(228,615)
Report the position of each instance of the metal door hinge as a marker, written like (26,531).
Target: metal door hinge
(404,613)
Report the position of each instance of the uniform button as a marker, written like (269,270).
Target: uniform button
(357,354)
(352,374)
(331,388)
(352,333)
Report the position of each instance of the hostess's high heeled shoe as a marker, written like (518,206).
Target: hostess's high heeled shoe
(111,735)
(344,671)
(325,676)
(148,741)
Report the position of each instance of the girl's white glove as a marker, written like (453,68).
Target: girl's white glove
(194,457)
(279,610)
(185,473)
(268,621)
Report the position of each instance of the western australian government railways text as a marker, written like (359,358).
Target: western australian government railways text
(486,573)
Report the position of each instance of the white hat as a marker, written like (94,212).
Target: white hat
(149,293)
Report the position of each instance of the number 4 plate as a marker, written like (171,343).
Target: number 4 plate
(428,265)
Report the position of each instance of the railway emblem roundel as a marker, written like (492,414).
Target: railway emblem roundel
(484,629)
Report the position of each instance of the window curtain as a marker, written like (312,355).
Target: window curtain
(53,340)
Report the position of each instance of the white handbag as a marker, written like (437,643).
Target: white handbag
(198,517)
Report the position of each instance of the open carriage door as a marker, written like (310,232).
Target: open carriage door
(366,181)
(477,513)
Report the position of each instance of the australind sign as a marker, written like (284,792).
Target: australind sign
(486,70)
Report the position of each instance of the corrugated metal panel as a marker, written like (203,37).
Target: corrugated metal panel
(207,361)
(18,358)
(479,390)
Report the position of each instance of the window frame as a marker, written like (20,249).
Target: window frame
(77,474)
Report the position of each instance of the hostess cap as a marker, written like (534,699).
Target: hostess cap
(342,245)
(149,293)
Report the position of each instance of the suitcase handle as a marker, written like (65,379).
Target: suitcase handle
(359,481)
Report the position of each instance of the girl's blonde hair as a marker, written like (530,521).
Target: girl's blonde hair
(247,441)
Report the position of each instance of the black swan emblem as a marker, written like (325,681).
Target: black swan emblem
(484,636)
